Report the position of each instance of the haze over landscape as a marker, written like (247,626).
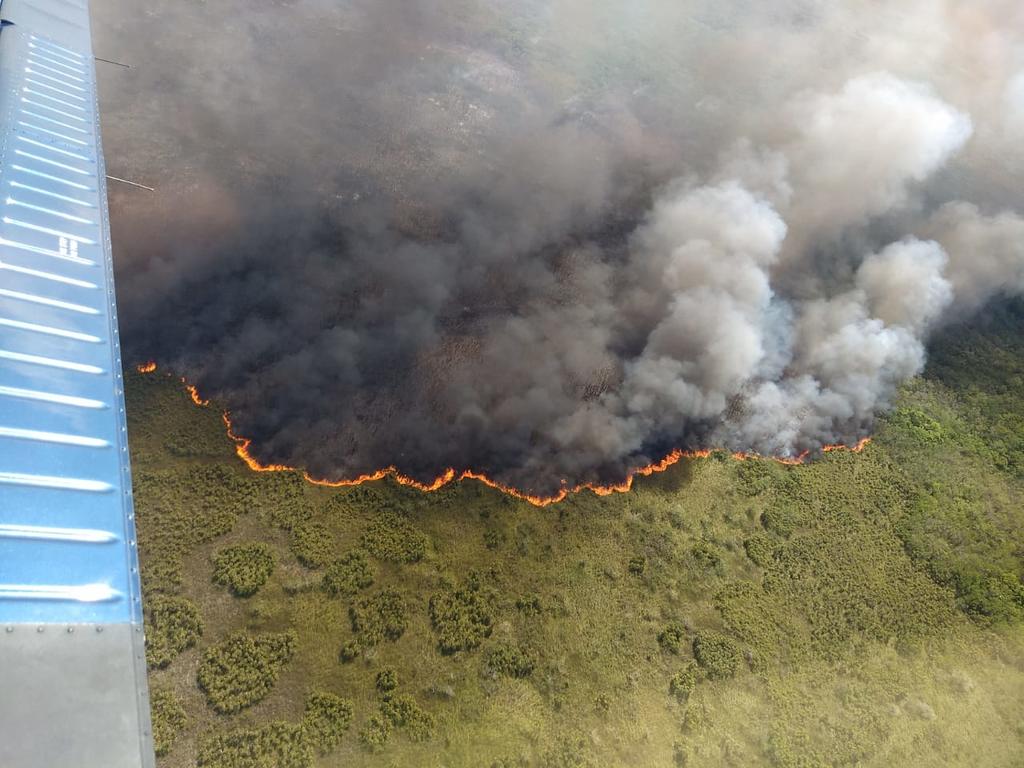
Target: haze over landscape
(556,242)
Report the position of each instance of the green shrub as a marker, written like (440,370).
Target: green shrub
(990,598)
(173,624)
(760,549)
(168,718)
(348,575)
(392,537)
(403,712)
(375,734)
(462,617)
(781,521)
(276,745)
(511,661)
(378,618)
(567,754)
(325,721)
(530,605)
(493,539)
(918,425)
(683,682)
(243,568)
(240,671)
(706,556)
(717,654)
(755,476)
(312,544)
(637,565)
(672,636)
(349,651)
(387,680)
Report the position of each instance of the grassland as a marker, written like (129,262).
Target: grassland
(861,610)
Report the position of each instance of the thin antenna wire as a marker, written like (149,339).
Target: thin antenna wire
(133,183)
(109,61)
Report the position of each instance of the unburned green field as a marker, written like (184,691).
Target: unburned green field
(861,610)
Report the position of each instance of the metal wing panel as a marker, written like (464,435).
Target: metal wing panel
(72,661)
(66,529)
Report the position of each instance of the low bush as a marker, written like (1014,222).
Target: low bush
(918,425)
(706,556)
(683,682)
(637,565)
(375,734)
(392,537)
(672,636)
(312,544)
(387,680)
(462,617)
(530,605)
(348,575)
(241,670)
(168,717)
(349,651)
(781,520)
(403,712)
(760,549)
(326,720)
(718,655)
(173,624)
(511,661)
(243,568)
(276,745)
(378,618)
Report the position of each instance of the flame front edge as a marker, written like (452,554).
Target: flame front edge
(449,475)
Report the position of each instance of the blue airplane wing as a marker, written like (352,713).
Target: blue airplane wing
(72,662)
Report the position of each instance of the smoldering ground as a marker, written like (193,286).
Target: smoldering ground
(553,240)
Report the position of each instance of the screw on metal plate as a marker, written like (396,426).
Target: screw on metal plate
(40,629)
(99,629)
(71,630)
(10,629)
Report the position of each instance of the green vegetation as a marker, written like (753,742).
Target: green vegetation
(511,661)
(244,568)
(348,575)
(403,712)
(716,654)
(275,745)
(375,734)
(312,545)
(325,721)
(173,625)
(242,669)
(380,617)
(462,617)
(387,681)
(683,682)
(863,610)
(392,537)
(168,719)
(672,636)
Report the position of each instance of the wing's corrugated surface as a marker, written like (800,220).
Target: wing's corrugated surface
(72,672)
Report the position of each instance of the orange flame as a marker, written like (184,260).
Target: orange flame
(449,475)
(242,445)
(194,394)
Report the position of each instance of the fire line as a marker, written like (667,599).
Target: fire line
(449,475)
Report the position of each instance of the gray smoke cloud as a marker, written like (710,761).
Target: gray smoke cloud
(553,240)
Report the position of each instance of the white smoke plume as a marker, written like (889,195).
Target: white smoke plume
(554,240)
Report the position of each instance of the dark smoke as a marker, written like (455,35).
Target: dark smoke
(553,240)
